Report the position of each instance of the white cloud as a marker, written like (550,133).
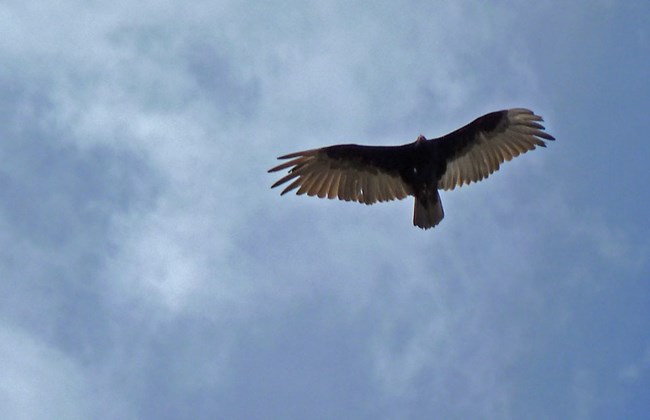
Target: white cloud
(39,381)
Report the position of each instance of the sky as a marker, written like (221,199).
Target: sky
(147,270)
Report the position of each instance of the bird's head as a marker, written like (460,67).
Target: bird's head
(420,139)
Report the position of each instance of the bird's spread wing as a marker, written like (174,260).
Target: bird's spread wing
(366,174)
(476,150)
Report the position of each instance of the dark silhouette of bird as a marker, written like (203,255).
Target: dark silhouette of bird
(368,174)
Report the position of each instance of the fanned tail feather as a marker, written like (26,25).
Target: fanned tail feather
(428,212)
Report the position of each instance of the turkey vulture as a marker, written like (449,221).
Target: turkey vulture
(368,174)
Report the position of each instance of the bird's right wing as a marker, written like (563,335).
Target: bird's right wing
(476,150)
(365,174)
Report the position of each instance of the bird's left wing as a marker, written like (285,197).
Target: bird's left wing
(476,150)
(351,172)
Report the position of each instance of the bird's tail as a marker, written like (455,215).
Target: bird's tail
(428,211)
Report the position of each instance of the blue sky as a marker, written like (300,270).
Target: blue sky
(148,271)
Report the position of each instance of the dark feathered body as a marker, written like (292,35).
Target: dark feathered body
(368,174)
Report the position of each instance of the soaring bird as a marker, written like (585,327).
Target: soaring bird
(368,174)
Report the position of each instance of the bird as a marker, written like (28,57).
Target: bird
(370,174)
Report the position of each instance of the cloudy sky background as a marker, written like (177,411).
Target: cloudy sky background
(148,271)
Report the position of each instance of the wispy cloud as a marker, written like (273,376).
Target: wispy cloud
(40,381)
